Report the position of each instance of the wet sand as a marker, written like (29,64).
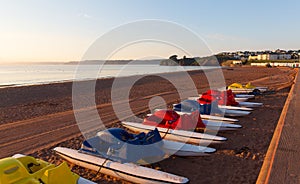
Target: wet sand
(34,119)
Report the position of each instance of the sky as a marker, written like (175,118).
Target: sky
(63,30)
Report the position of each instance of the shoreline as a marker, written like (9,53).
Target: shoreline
(36,118)
(100,78)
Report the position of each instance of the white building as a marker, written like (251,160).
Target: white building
(238,62)
(253,57)
(271,56)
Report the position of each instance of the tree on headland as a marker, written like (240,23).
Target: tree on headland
(173,58)
(174,61)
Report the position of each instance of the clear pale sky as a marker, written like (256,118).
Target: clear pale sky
(62,30)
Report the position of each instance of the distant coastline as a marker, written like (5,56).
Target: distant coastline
(24,75)
(223,58)
(115,62)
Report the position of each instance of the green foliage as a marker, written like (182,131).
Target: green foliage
(173,57)
(224,58)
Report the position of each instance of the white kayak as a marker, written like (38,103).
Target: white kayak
(235,113)
(220,126)
(216,118)
(241,90)
(229,107)
(125,171)
(250,104)
(244,96)
(209,117)
(240,99)
(195,98)
(205,116)
(167,146)
(177,135)
(229,111)
(244,106)
(185,149)
(212,125)
(249,90)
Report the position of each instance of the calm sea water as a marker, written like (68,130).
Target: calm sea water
(19,75)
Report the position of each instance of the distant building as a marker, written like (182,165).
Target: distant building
(237,62)
(253,57)
(236,56)
(271,56)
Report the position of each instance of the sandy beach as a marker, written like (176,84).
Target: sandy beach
(35,119)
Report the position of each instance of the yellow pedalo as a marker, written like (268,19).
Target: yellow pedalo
(22,169)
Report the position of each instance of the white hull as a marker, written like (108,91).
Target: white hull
(241,90)
(84,181)
(126,171)
(261,88)
(246,90)
(179,149)
(236,113)
(250,104)
(217,118)
(210,117)
(227,112)
(220,126)
(195,98)
(205,116)
(235,108)
(240,99)
(177,135)
(216,125)
(244,96)
(184,149)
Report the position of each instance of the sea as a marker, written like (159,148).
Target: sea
(33,74)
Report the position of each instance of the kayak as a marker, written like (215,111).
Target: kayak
(220,126)
(250,104)
(185,149)
(196,117)
(225,99)
(125,171)
(241,99)
(169,148)
(209,117)
(241,105)
(230,107)
(248,88)
(217,118)
(23,169)
(227,112)
(211,125)
(238,99)
(219,97)
(225,107)
(209,108)
(220,106)
(140,148)
(177,135)
(244,90)
(244,96)
(234,113)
